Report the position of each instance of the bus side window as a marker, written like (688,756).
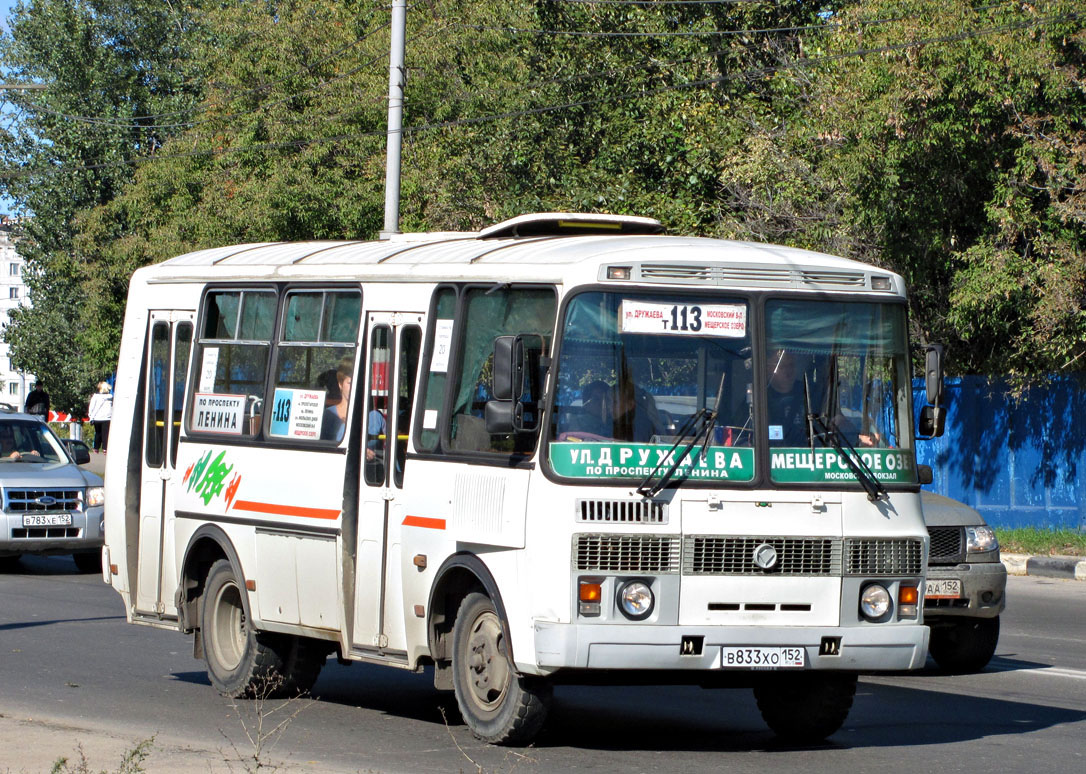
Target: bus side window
(441,322)
(314,365)
(182,348)
(408,366)
(377,406)
(232,360)
(488,313)
(157,392)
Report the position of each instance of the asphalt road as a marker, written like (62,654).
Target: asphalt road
(75,680)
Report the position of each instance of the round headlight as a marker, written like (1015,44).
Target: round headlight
(635,600)
(874,601)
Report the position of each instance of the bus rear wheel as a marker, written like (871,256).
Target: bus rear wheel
(497,704)
(805,708)
(245,663)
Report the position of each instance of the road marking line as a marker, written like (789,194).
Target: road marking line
(1076,674)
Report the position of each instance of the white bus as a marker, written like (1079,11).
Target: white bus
(564,449)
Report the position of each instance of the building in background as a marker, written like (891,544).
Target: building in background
(14,384)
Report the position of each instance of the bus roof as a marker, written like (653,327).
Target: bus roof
(561,247)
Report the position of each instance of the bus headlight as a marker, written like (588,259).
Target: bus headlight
(979,539)
(635,600)
(96,495)
(874,602)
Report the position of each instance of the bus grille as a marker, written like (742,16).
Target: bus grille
(55,500)
(658,554)
(947,545)
(752,275)
(711,555)
(622,511)
(873,556)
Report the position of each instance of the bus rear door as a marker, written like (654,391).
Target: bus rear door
(169,345)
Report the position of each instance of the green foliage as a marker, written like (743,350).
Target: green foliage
(1030,540)
(948,146)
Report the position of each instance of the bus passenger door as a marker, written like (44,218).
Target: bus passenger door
(169,345)
(393,345)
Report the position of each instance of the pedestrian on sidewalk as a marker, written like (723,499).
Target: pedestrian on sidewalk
(37,402)
(100,413)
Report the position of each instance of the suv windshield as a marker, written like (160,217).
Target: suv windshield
(634,368)
(28,441)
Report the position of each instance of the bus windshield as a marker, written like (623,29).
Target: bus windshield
(634,367)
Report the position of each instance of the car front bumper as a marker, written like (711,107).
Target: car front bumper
(84,534)
(983,594)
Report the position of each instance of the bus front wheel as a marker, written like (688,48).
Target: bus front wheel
(805,708)
(497,704)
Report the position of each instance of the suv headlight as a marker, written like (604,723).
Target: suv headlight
(96,495)
(980,539)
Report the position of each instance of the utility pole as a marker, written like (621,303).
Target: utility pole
(396,79)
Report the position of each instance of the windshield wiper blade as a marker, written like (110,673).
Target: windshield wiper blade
(707,419)
(864,474)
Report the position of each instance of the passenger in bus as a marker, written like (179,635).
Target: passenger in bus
(376,427)
(785,401)
(337,386)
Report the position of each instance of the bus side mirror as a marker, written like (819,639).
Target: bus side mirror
(515,384)
(933,373)
(932,420)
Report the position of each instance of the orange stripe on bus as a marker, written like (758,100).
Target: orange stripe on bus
(423,521)
(286,510)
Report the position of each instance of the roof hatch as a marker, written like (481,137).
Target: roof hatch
(571,224)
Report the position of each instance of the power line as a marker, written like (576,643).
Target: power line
(697,84)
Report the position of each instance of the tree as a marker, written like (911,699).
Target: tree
(118,83)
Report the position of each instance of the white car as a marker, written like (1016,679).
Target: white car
(50,504)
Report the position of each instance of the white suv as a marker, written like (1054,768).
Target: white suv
(50,504)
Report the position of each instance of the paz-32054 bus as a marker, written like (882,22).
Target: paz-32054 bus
(566,448)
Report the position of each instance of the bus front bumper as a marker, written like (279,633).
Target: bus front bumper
(874,648)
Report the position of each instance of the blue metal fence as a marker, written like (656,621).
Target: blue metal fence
(1020,462)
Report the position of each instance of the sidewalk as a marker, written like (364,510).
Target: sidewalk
(1067,567)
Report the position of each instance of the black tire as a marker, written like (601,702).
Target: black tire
(805,708)
(497,704)
(242,662)
(88,563)
(967,645)
(9,563)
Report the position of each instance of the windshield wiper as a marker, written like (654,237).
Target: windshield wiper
(698,429)
(827,430)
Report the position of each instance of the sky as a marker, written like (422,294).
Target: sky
(5,6)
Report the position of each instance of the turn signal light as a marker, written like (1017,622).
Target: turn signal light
(908,597)
(589,595)
(590,592)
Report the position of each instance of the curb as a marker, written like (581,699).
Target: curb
(1066,567)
